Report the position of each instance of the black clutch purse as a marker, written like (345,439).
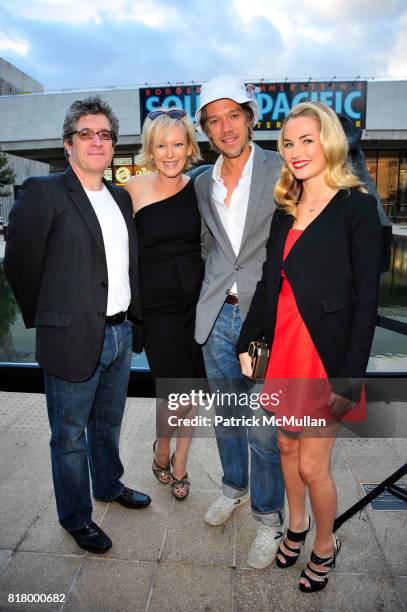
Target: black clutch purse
(259,353)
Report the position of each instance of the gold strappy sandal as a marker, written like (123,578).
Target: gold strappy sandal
(163,474)
(182,483)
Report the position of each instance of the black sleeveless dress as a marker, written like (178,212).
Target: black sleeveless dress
(171,273)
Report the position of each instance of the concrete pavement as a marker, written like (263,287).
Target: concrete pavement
(165,557)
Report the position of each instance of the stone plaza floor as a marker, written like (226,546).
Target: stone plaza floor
(165,558)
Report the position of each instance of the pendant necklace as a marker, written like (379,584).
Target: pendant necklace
(323,200)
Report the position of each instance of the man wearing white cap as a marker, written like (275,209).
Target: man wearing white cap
(236,203)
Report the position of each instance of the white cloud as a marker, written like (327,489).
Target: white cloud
(322,38)
(316,14)
(112,42)
(12,42)
(59,11)
(151,13)
(323,21)
(397,65)
(291,19)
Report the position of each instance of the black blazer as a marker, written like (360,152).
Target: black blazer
(55,262)
(333,270)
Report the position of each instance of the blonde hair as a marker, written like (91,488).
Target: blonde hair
(162,126)
(338,173)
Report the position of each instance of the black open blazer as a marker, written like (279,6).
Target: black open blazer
(333,270)
(55,262)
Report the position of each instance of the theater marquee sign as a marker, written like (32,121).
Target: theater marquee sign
(274,99)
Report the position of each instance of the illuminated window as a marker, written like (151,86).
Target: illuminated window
(403,184)
(371,164)
(387,179)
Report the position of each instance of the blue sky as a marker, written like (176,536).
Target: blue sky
(98,43)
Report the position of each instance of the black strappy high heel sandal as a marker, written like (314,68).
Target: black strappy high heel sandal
(290,560)
(326,562)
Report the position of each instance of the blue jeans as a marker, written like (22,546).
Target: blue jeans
(95,406)
(266,480)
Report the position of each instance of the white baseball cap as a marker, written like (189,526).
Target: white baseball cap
(227,86)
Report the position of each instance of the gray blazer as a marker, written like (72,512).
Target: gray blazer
(222,267)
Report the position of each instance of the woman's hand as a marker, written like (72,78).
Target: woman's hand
(340,405)
(246,364)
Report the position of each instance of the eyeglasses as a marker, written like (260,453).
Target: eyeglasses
(172,113)
(88,134)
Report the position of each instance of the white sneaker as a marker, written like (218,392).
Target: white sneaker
(264,547)
(223,507)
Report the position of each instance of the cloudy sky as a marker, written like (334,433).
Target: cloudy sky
(97,43)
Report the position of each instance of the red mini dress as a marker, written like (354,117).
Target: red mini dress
(295,370)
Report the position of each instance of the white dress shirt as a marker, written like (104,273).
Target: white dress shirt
(233,217)
(116,241)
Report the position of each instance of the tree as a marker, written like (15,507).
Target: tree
(7,176)
(8,309)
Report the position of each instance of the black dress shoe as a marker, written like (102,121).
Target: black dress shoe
(92,538)
(132,499)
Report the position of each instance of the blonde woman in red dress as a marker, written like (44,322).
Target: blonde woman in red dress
(316,306)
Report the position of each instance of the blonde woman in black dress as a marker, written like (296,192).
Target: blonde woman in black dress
(171,269)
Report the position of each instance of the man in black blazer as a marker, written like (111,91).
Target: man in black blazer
(71,260)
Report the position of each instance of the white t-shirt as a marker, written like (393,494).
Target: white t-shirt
(233,217)
(116,241)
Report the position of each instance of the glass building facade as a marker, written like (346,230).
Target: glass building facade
(388,170)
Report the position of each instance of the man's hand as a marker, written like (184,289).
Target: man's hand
(340,405)
(246,364)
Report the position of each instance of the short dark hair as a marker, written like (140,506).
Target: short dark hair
(93,105)
(246,108)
